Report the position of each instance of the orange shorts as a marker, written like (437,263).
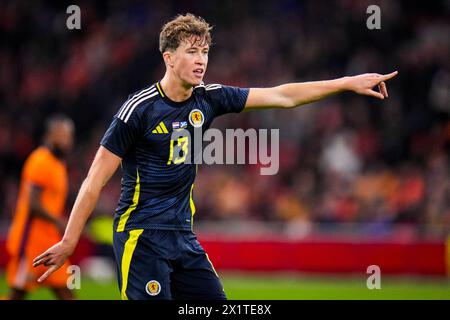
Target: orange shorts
(23,276)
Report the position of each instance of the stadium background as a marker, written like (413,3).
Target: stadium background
(361,181)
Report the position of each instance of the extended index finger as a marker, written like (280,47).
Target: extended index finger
(48,273)
(389,76)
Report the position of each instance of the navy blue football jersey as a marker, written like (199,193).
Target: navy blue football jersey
(157,183)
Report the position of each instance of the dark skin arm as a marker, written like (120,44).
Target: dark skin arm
(36,209)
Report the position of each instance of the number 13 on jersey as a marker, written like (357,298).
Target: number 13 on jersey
(182,143)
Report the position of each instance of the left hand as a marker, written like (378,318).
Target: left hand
(364,84)
(54,258)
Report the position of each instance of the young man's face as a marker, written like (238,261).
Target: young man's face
(190,60)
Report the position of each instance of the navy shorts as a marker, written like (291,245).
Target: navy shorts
(164,264)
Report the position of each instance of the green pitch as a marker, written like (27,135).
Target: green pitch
(289,287)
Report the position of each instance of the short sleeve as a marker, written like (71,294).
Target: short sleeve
(37,171)
(227,99)
(121,135)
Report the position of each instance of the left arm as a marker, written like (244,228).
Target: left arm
(295,94)
(37,210)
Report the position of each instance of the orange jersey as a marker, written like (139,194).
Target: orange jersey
(30,235)
(44,170)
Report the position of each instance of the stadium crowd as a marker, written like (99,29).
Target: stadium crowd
(346,159)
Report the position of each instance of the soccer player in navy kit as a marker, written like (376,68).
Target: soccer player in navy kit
(157,253)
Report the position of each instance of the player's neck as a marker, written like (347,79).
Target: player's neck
(174,89)
(55,151)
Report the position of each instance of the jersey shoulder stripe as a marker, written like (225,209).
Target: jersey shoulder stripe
(213,86)
(201,85)
(130,105)
(136,96)
(208,87)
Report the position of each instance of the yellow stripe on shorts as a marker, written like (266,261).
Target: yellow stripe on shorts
(128,250)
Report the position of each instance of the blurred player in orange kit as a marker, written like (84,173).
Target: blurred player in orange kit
(38,222)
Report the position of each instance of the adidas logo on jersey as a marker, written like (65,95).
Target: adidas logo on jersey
(160,128)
